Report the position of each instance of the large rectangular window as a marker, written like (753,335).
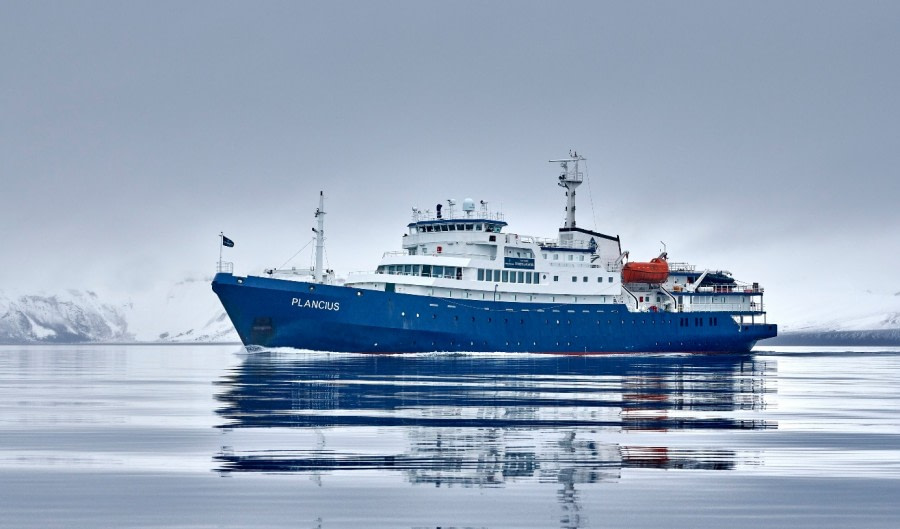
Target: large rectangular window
(481,274)
(521,277)
(505,276)
(496,276)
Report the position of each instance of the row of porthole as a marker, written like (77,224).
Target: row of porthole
(546,322)
(472,344)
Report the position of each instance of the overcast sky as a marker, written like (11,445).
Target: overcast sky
(759,137)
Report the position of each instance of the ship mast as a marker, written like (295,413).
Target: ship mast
(570,179)
(320,239)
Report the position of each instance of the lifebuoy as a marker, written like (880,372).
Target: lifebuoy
(439,249)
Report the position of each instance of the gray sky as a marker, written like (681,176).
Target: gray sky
(759,137)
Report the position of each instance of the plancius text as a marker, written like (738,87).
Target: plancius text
(316,304)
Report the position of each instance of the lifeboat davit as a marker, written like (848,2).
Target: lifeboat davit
(656,271)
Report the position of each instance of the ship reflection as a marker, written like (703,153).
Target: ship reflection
(485,420)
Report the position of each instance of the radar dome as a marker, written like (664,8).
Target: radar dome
(468,205)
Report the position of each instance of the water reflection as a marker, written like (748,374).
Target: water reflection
(485,420)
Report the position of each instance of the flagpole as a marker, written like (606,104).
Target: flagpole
(221,243)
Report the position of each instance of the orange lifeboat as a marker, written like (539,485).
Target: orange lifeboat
(656,271)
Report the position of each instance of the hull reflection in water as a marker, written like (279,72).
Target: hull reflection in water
(483,420)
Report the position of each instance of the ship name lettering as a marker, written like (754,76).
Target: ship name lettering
(316,304)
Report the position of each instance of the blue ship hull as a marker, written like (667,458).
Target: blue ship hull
(271,312)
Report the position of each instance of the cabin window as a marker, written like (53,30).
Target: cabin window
(505,276)
(444,227)
(452,227)
(429,228)
(481,274)
(610,279)
(521,277)
(599,279)
(528,277)
(570,257)
(574,279)
(469,227)
(581,257)
(478,227)
(426,270)
(585,279)
(556,257)
(556,278)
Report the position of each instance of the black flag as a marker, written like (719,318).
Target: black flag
(227,242)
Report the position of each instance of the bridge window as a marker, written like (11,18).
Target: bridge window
(521,277)
(469,227)
(478,227)
(481,274)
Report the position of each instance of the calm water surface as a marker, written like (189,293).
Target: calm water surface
(213,436)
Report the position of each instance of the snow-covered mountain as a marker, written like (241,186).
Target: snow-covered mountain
(69,316)
(187,311)
(850,310)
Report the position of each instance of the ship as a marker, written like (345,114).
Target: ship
(464,283)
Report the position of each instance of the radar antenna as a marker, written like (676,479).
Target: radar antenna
(570,179)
